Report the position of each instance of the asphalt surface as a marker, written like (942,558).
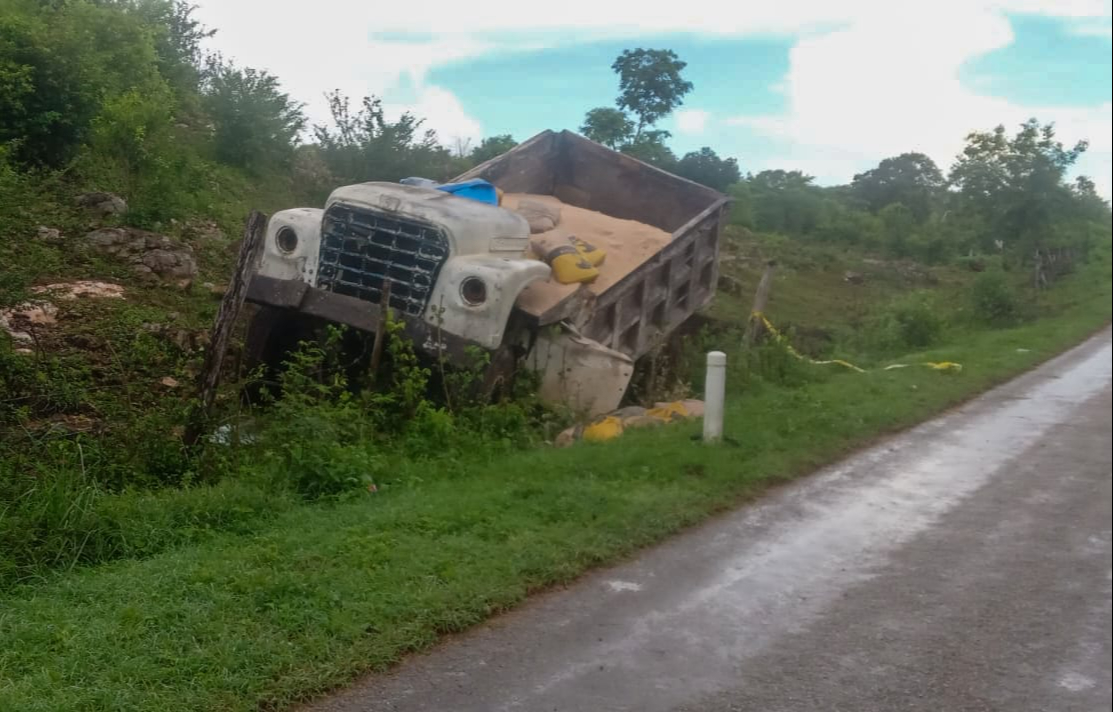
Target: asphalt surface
(963,565)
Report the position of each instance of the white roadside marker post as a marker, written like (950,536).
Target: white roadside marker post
(713,396)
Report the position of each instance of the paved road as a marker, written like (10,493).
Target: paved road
(964,565)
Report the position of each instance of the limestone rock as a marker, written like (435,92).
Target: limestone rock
(157,258)
(101,203)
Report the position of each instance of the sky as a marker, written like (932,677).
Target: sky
(829,88)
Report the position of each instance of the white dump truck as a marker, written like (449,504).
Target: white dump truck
(459,273)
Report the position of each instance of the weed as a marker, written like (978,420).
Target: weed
(994,299)
(910,322)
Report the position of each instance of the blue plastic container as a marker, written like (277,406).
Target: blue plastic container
(477,189)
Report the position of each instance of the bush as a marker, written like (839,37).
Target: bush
(917,320)
(135,149)
(315,439)
(58,63)
(995,300)
(931,247)
(912,321)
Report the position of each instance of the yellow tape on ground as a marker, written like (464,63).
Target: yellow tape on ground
(780,338)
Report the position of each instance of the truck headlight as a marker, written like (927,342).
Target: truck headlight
(286,239)
(473,291)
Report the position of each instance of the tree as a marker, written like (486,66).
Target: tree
(364,145)
(1015,186)
(256,125)
(898,222)
(650,85)
(59,62)
(1091,206)
(704,166)
(177,38)
(785,202)
(492,146)
(911,179)
(607,126)
(650,147)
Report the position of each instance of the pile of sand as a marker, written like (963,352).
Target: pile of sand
(628,244)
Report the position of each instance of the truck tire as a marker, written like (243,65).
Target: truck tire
(498,377)
(271,335)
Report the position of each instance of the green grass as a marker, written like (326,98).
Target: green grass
(810,292)
(323,592)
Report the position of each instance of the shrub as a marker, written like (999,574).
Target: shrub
(995,301)
(315,439)
(916,320)
(135,149)
(909,322)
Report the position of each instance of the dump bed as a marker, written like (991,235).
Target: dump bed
(633,309)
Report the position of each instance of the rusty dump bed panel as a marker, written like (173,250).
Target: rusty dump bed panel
(649,303)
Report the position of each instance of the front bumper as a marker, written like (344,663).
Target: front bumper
(298,296)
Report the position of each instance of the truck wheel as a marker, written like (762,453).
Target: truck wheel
(498,377)
(271,335)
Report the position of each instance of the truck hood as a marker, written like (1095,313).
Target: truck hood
(472,227)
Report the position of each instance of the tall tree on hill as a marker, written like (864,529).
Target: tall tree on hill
(911,179)
(650,85)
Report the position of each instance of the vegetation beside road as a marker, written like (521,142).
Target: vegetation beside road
(322,592)
(360,516)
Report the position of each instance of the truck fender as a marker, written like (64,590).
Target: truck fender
(292,245)
(475,295)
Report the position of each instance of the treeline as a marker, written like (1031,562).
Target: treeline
(119,95)
(1005,194)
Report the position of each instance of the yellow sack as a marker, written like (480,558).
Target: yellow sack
(608,428)
(668,412)
(569,266)
(590,252)
(945,366)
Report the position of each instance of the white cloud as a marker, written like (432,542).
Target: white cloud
(889,83)
(354,42)
(865,74)
(1093,28)
(332,47)
(443,113)
(691,121)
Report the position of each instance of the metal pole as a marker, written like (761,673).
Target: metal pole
(713,396)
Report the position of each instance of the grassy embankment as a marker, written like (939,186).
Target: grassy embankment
(311,595)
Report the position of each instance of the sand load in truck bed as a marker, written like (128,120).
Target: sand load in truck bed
(628,244)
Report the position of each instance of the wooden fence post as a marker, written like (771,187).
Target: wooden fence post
(761,297)
(253,235)
(380,333)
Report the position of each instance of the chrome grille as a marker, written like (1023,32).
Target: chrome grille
(361,249)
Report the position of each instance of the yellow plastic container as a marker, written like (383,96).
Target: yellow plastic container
(569,266)
(592,254)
